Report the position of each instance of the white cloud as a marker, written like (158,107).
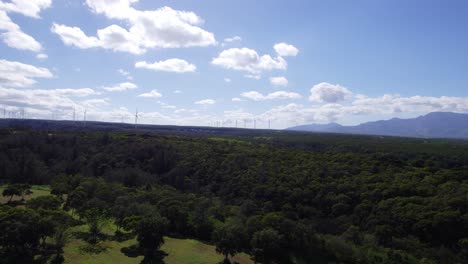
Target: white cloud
(328,93)
(170,65)
(42,56)
(166,106)
(285,50)
(113,37)
(232,39)
(236,99)
(43,99)
(17,74)
(394,103)
(13,36)
(117,38)
(228,80)
(121,87)
(248,60)
(147,29)
(256,96)
(125,74)
(17,39)
(96,102)
(30,8)
(206,102)
(74,36)
(177,91)
(151,94)
(253,76)
(279,81)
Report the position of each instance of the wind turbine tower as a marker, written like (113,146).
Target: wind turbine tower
(84,116)
(136,118)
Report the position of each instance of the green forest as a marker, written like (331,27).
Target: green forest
(278,197)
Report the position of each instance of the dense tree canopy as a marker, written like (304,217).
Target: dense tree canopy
(278,196)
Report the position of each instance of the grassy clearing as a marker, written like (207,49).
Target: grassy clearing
(181,251)
(189,251)
(37,190)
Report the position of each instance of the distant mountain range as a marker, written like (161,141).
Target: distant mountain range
(432,125)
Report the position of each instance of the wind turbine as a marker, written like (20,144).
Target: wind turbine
(136,118)
(84,116)
(74,114)
(268,123)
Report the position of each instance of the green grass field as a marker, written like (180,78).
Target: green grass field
(37,190)
(181,251)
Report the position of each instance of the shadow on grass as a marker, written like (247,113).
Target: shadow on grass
(86,236)
(120,236)
(93,249)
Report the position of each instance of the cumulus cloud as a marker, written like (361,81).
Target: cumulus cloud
(97,102)
(17,39)
(151,94)
(232,39)
(256,96)
(389,104)
(279,81)
(121,87)
(177,91)
(125,74)
(17,74)
(42,56)
(170,65)
(147,29)
(30,8)
(12,34)
(205,102)
(228,80)
(285,50)
(364,105)
(245,59)
(328,93)
(236,99)
(253,76)
(43,99)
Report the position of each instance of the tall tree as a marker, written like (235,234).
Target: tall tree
(150,232)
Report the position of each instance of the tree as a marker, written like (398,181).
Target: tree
(47,202)
(19,236)
(267,246)
(25,189)
(228,238)
(150,232)
(11,190)
(96,220)
(60,238)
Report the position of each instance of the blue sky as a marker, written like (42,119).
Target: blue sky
(209,62)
